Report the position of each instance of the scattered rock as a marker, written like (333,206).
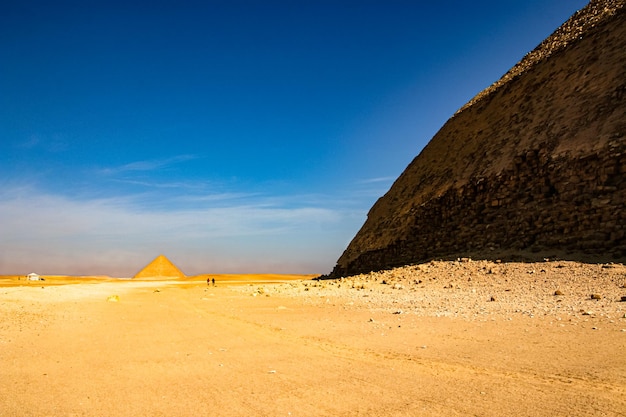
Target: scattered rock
(560,291)
(596,297)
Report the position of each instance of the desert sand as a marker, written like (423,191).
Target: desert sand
(446,338)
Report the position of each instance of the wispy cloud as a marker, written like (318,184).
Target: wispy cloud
(220,197)
(53,143)
(377,180)
(187,185)
(31,142)
(43,231)
(148,165)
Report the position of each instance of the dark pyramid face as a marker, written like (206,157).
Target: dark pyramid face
(160,267)
(532,167)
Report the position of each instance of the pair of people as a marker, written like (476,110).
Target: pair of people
(210,281)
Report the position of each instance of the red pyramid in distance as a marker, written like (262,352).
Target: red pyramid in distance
(160,267)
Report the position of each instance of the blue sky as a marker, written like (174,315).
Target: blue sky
(231,136)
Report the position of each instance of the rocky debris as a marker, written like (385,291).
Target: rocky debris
(264,291)
(496,290)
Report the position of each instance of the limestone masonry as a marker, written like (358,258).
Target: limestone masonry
(534,166)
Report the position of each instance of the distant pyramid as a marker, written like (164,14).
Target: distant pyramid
(160,267)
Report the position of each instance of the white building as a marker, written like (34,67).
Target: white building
(33,277)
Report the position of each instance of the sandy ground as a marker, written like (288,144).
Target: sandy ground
(438,339)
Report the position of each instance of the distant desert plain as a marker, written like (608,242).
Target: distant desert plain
(443,338)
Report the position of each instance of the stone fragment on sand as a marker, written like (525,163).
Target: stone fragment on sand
(596,297)
(558,292)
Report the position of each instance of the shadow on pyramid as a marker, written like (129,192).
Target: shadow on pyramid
(160,267)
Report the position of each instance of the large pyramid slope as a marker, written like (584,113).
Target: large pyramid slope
(160,267)
(535,164)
